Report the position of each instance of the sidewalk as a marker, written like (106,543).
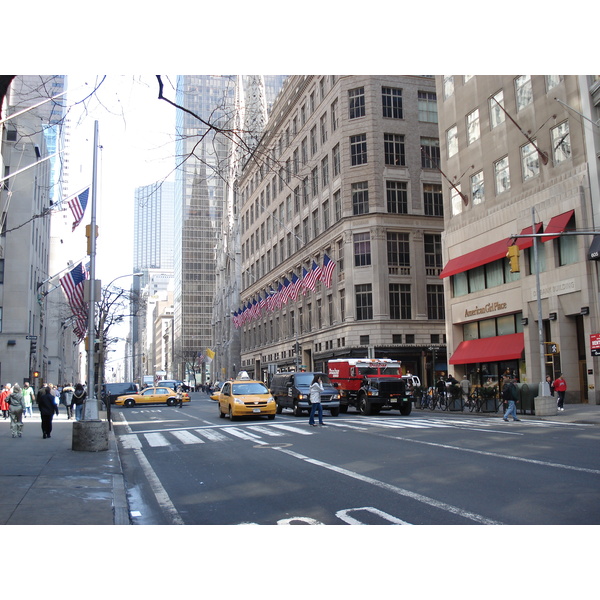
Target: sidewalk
(44,482)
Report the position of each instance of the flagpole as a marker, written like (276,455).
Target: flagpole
(91,434)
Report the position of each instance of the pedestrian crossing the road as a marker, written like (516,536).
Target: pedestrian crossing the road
(262,433)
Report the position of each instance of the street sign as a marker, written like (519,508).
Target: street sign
(31,337)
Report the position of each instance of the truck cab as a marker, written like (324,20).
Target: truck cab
(371,385)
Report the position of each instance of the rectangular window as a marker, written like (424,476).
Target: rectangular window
(315,223)
(356,102)
(523,91)
(325,171)
(456,201)
(428,107)
(392,102)
(337,205)
(561,142)
(502,175)
(460,284)
(433,201)
(400,301)
(430,153)
(432,243)
(313,141)
(334,115)
(530,161)
(364,302)
(323,128)
(362,249)
(473,126)
(393,147)
(326,220)
(435,302)
(398,249)
(397,197)
(360,198)
(452,140)
(448,86)
(497,115)
(335,156)
(477,188)
(315,181)
(358,149)
(304,151)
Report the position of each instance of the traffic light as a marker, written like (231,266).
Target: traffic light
(513,258)
(36,374)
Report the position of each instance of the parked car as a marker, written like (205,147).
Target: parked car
(151,395)
(291,390)
(245,397)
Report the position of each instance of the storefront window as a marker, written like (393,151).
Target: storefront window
(493,274)
(487,328)
(470,331)
(460,283)
(506,325)
(477,279)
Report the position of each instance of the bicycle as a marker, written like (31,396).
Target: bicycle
(426,399)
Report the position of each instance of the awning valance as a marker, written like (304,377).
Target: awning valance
(493,349)
(487,254)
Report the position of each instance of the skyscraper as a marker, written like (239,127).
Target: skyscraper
(202,147)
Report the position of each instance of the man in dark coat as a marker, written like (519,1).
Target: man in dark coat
(47,408)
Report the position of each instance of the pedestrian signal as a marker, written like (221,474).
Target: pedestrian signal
(513,258)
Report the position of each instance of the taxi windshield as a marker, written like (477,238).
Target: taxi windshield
(243,389)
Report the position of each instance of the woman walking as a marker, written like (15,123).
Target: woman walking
(47,409)
(4,394)
(316,387)
(16,406)
(77,401)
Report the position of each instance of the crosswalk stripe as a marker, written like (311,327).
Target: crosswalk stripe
(345,425)
(131,441)
(187,437)
(292,429)
(156,439)
(266,430)
(210,434)
(242,434)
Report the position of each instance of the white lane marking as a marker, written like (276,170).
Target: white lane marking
(187,437)
(392,488)
(498,455)
(156,439)
(158,490)
(346,425)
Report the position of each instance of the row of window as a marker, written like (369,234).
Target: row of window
(400,301)
(530,168)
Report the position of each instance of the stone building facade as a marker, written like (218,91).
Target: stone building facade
(341,175)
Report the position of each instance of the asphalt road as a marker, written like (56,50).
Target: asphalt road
(188,466)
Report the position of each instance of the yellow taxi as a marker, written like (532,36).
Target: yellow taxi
(245,397)
(152,395)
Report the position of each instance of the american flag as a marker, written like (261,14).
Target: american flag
(327,272)
(311,278)
(72,284)
(294,287)
(77,205)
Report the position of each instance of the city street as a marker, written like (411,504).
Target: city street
(188,466)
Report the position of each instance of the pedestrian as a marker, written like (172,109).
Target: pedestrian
(28,396)
(560,385)
(3,400)
(179,392)
(440,387)
(47,410)
(465,386)
(66,396)
(509,393)
(316,388)
(16,407)
(77,401)
(550,384)
(54,391)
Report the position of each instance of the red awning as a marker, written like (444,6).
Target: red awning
(558,224)
(502,347)
(487,254)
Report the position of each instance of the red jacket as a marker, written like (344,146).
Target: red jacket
(560,385)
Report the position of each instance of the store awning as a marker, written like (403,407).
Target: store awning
(594,251)
(487,254)
(502,347)
(558,224)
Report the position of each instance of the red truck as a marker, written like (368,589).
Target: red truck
(372,384)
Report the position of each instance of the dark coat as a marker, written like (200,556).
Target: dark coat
(46,404)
